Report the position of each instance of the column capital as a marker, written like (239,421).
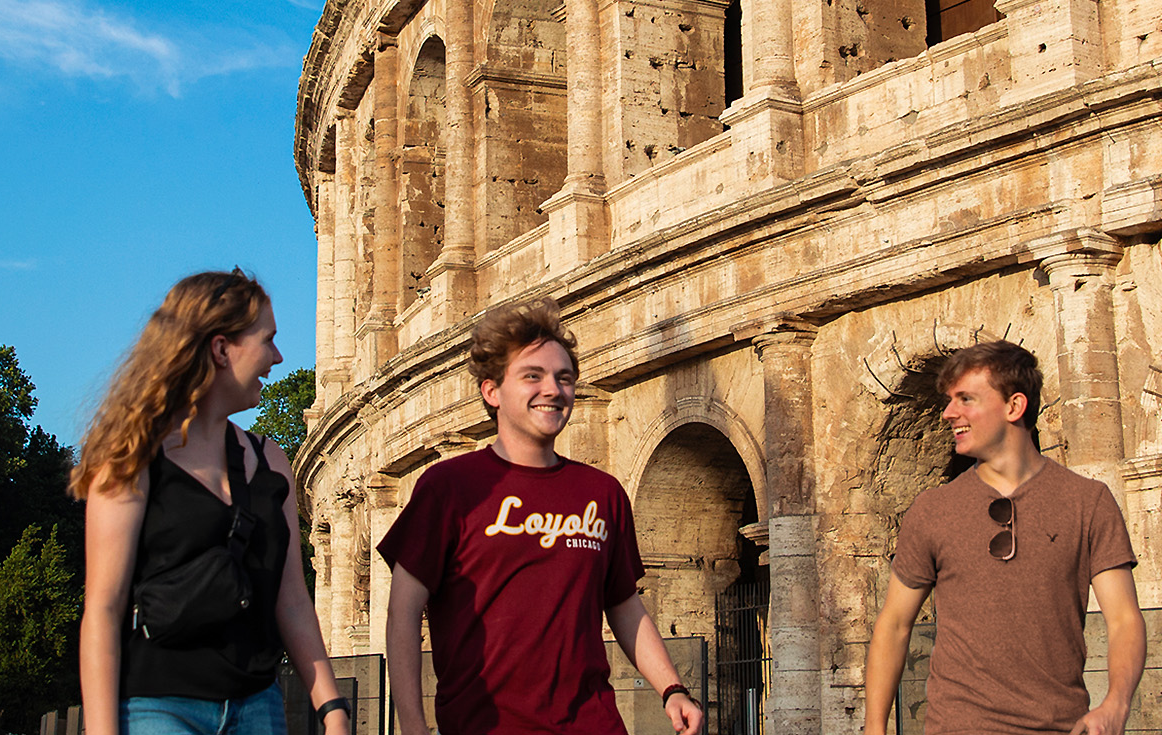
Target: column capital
(1064,268)
(789,332)
(1048,251)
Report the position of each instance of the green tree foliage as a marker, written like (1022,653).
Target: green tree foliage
(34,468)
(280,416)
(39,610)
(280,412)
(39,590)
(16,407)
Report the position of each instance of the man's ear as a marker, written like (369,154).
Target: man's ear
(1016,406)
(218,351)
(489,390)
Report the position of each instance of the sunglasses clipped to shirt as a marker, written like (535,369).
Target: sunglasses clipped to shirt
(1003,546)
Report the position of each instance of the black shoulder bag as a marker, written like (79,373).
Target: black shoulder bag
(179,605)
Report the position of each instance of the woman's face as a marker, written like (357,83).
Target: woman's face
(250,357)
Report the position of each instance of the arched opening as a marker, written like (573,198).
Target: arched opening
(520,111)
(694,496)
(732,51)
(421,191)
(950,18)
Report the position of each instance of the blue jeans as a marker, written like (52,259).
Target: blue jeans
(258,714)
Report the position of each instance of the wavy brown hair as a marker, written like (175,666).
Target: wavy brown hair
(168,371)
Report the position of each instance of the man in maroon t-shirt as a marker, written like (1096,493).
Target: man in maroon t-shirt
(516,552)
(1011,547)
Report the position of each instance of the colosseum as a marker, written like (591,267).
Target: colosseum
(768,222)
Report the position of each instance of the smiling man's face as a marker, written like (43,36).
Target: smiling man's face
(535,399)
(979,414)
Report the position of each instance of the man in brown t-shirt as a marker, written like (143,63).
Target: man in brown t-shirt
(1012,547)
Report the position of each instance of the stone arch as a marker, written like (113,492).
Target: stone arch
(520,110)
(693,496)
(721,417)
(421,190)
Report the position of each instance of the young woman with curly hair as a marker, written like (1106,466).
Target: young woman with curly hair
(160,468)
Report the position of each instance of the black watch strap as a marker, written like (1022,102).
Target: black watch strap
(332,705)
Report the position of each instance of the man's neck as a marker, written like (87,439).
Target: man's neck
(1010,469)
(527,454)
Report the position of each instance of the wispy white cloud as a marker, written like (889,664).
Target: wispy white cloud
(17,265)
(80,39)
(308,4)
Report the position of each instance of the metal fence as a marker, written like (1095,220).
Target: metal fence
(743,656)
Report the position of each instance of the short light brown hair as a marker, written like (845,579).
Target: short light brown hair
(1011,369)
(508,329)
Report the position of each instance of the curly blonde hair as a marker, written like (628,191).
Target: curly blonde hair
(168,371)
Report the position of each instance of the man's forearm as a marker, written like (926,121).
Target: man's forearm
(403,667)
(885,663)
(639,638)
(1126,659)
(405,611)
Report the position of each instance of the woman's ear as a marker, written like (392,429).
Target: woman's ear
(218,351)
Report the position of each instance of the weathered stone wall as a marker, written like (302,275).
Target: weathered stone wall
(763,291)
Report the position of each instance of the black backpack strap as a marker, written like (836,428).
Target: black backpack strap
(244,520)
(259,445)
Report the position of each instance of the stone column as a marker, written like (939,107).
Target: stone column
(578,221)
(768,46)
(379,326)
(793,705)
(325,305)
(383,508)
(453,276)
(343,549)
(1143,482)
(1081,275)
(321,540)
(343,300)
(766,123)
(583,46)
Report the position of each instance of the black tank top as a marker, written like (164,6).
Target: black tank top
(182,520)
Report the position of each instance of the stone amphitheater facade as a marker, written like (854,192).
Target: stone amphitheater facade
(767,222)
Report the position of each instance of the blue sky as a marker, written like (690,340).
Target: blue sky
(144,141)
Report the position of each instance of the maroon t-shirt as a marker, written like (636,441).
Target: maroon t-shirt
(521,563)
(1010,642)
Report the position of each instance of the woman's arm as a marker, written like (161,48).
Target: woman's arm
(113,521)
(297,622)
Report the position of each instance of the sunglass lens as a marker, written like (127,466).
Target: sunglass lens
(1001,547)
(1001,511)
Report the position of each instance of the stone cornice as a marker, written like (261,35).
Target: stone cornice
(485,72)
(1142,472)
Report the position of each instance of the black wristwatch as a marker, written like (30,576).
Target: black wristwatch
(338,703)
